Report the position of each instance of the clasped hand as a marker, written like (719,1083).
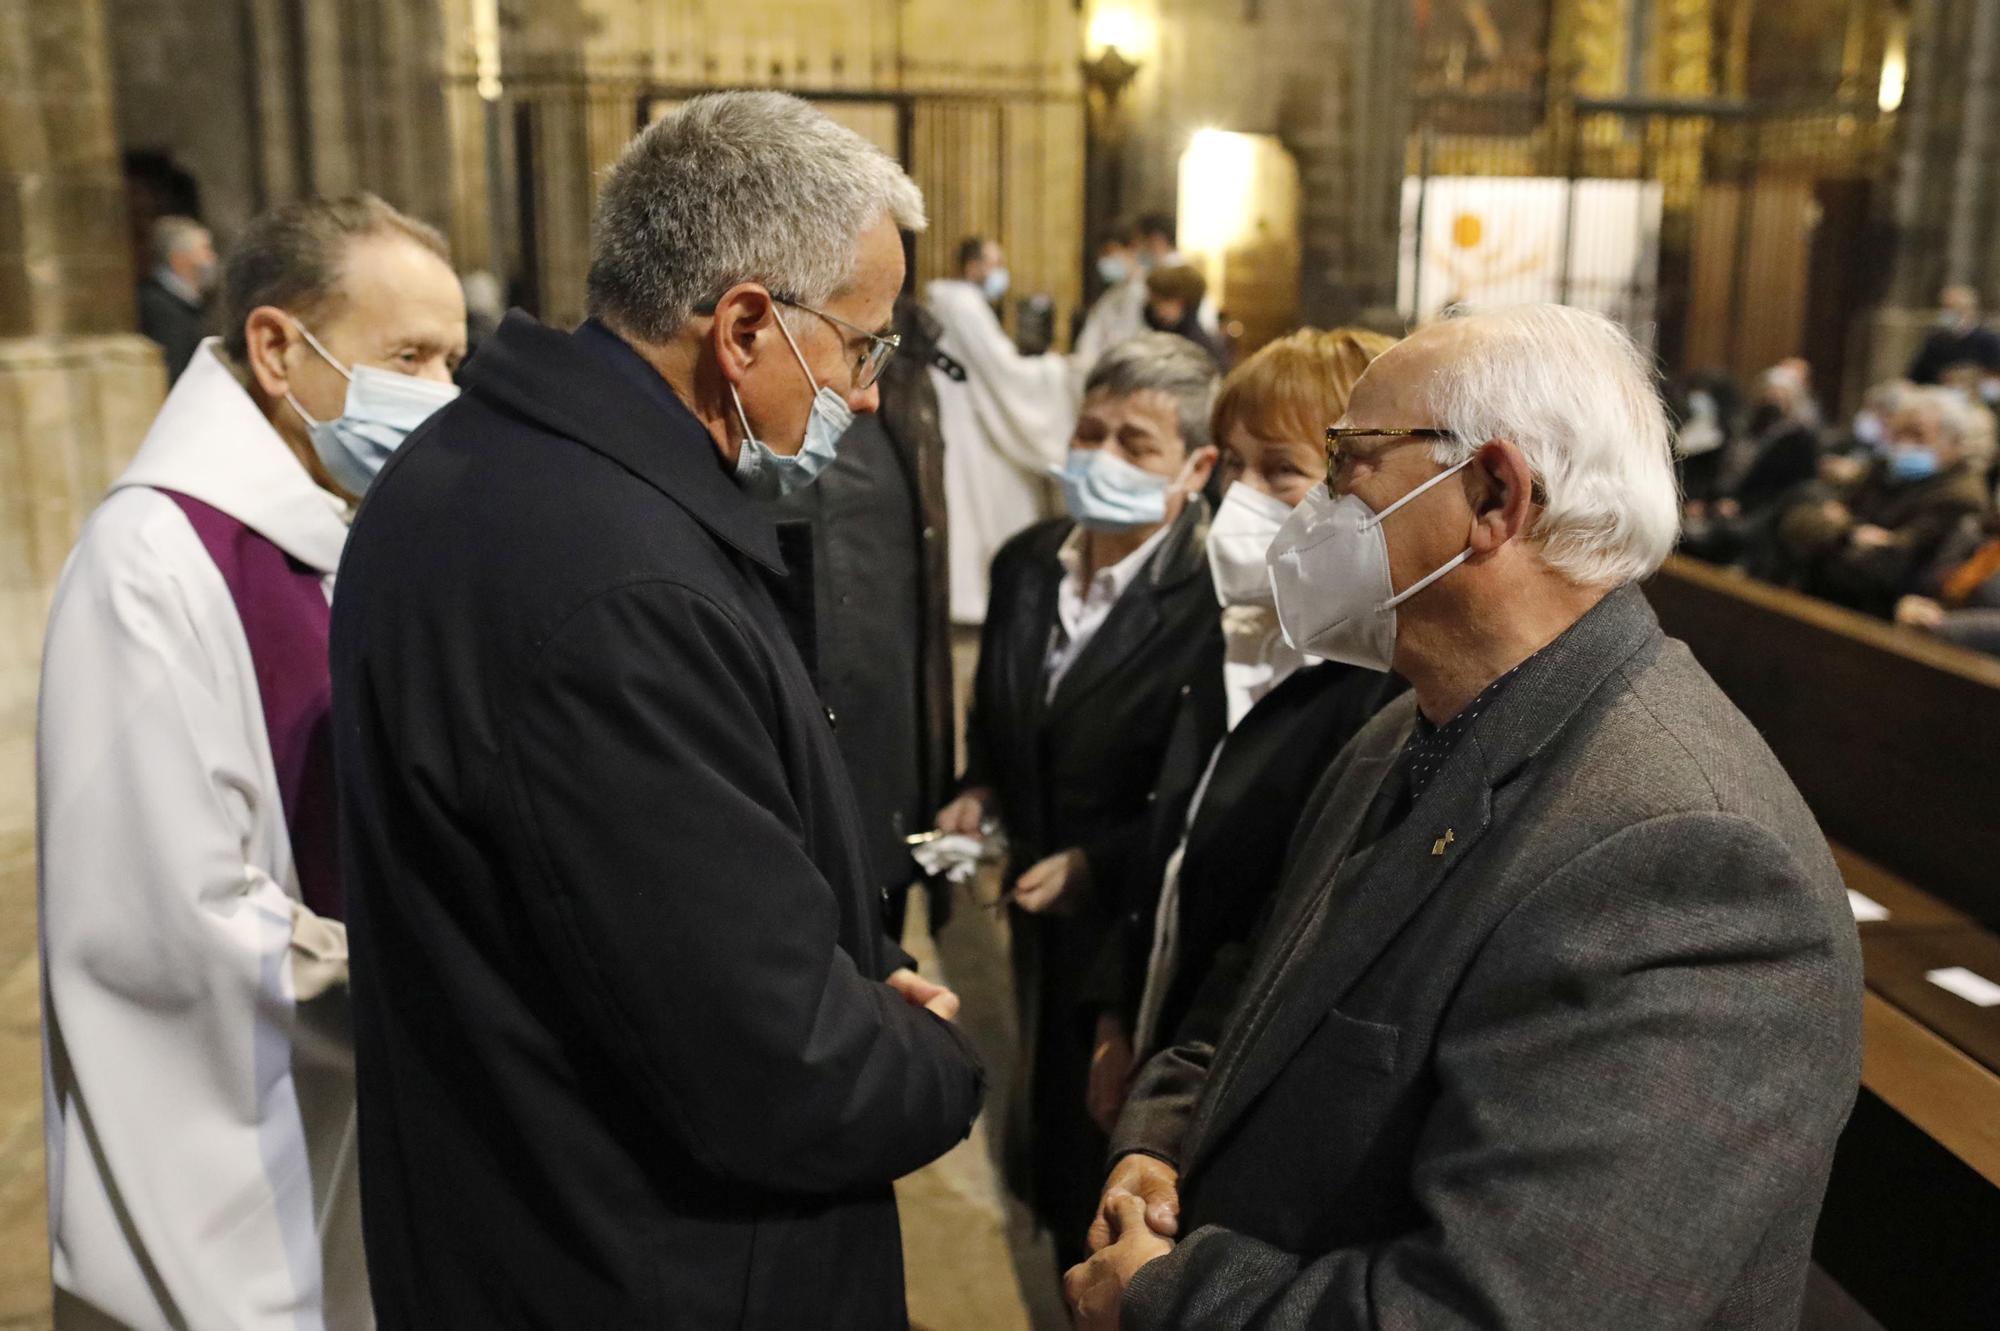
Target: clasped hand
(1137,1219)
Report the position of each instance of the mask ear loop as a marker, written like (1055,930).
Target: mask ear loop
(1441,569)
(324,355)
(1435,481)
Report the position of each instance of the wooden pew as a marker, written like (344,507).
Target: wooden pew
(1894,739)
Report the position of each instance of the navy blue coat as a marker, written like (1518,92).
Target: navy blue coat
(623,1054)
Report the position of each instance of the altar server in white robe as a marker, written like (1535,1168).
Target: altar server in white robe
(1006,424)
(199,1090)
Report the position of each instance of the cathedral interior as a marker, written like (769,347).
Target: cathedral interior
(1746,181)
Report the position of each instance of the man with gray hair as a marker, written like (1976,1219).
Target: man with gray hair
(174,295)
(634,1048)
(1099,622)
(1557,1016)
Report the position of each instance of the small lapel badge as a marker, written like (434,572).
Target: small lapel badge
(1437,846)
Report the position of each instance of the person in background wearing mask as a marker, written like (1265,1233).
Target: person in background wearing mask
(1875,548)
(634,1047)
(1099,621)
(1960,338)
(1120,313)
(173,298)
(1003,421)
(1239,761)
(200,1081)
(1559,1016)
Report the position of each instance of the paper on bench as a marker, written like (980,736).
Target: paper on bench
(1968,985)
(1866,910)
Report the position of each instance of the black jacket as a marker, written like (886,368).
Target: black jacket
(869,594)
(177,326)
(1948,347)
(622,1056)
(1236,844)
(1075,770)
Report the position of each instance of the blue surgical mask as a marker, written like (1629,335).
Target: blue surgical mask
(768,474)
(1912,462)
(995,284)
(1113,269)
(382,410)
(1107,493)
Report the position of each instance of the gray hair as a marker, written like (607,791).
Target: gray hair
(1167,363)
(1578,397)
(737,187)
(172,234)
(292,257)
(1966,423)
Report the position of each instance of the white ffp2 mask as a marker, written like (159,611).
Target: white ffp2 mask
(1329,569)
(1238,541)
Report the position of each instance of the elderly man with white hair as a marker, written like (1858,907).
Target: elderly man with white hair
(1557,1017)
(633,1047)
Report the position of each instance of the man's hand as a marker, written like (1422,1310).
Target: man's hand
(1919,612)
(1153,1184)
(1062,877)
(1110,1072)
(1096,1288)
(919,992)
(1868,536)
(1728,510)
(963,816)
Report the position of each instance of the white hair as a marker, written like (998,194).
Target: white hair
(1964,421)
(171,235)
(737,187)
(1578,397)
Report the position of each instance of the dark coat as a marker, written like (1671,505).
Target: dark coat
(173,323)
(869,596)
(1569,1046)
(1945,348)
(1923,515)
(622,1054)
(1075,772)
(1236,843)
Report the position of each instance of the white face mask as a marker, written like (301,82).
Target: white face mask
(1330,577)
(1239,539)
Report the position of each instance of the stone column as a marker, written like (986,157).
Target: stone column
(1945,185)
(77,385)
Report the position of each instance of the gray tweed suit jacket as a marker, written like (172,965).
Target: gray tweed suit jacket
(1568,1047)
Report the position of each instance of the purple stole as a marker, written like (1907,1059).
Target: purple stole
(285,616)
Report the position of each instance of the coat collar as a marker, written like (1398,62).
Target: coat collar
(211,442)
(1354,908)
(1181,555)
(588,386)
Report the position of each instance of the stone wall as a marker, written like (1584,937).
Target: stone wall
(77,387)
(1330,79)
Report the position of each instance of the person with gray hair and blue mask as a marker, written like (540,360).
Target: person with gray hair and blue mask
(634,1048)
(1099,622)
(1557,1017)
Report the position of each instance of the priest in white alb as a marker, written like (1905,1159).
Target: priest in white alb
(199,1074)
(1006,424)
